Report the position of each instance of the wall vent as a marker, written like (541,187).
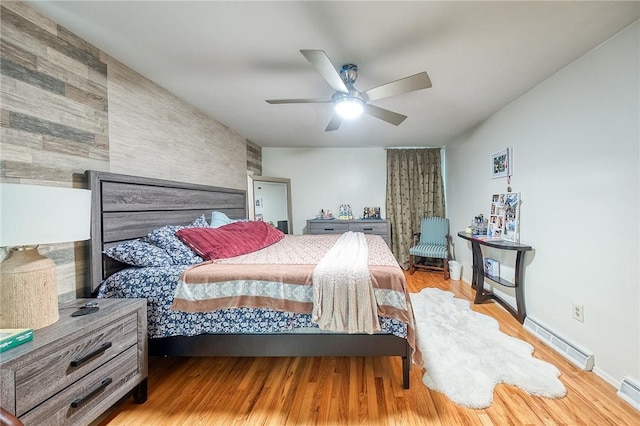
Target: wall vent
(579,357)
(630,392)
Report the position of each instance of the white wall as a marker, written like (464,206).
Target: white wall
(576,160)
(325,178)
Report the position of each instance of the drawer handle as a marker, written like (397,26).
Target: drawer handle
(79,401)
(84,358)
(367,229)
(328,229)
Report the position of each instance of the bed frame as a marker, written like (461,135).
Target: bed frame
(127,207)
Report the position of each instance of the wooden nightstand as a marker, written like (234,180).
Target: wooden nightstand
(77,368)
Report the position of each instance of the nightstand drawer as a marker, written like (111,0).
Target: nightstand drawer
(87,394)
(328,228)
(59,367)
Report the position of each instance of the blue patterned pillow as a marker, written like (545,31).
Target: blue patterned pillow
(139,253)
(200,222)
(166,239)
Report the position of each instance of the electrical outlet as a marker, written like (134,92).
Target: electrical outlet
(578,312)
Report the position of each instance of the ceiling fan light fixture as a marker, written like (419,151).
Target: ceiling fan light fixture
(349,107)
(347,101)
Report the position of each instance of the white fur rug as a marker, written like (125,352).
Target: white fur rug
(466,355)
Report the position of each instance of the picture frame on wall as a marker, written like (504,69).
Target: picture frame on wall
(501,164)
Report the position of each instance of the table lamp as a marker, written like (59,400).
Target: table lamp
(31,215)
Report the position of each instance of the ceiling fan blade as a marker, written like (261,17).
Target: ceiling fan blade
(323,65)
(299,101)
(334,124)
(408,84)
(384,114)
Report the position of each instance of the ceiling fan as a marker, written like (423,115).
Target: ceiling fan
(350,103)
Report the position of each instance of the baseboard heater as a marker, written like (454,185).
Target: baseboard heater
(630,392)
(577,356)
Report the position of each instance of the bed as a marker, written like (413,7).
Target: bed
(126,208)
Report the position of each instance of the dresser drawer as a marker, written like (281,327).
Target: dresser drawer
(374,227)
(106,385)
(370,228)
(328,228)
(59,367)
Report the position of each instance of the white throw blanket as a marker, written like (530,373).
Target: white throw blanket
(343,296)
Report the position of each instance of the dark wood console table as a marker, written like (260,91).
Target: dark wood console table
(477,281)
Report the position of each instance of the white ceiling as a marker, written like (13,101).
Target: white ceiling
(226,58)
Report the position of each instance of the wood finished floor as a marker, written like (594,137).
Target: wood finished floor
(362,391)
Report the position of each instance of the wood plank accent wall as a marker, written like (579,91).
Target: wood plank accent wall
(55,119)
(254,158)
(67,107)
(152,133)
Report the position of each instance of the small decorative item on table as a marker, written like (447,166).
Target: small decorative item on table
(12,337)
(492,267)
(480,225)
(371,213)
(345,212)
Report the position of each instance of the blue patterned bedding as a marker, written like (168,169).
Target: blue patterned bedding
(158,284)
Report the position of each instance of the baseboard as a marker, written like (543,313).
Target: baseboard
(606,377)
(583,359)
(630,392)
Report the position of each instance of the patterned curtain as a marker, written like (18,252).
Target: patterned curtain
(414,190)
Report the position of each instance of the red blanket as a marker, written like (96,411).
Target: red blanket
(230,240)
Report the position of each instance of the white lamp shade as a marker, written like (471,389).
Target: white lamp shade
(33,215)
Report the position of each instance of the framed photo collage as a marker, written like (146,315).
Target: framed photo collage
(504,218)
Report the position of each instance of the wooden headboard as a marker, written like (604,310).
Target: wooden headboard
(128,207)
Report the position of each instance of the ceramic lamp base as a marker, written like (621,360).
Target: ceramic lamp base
(28,291)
